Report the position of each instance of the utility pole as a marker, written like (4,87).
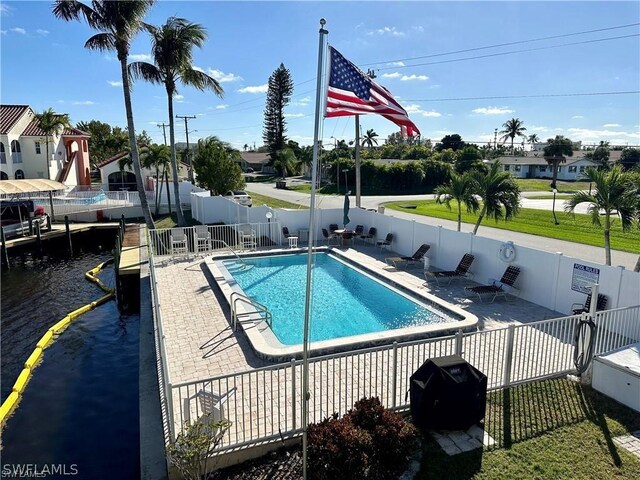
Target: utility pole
(186,131)
(164,131)
(165,176)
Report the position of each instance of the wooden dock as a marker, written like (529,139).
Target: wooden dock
(59,230)
(130,255)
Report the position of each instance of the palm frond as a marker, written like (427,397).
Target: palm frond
(201,81)
(146,71)
(68,10)
(101,42)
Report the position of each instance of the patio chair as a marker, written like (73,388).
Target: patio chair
(578,308)
(369,237)
(178,240)
(417,257)
(386,243)
(333,227)
(208,408)
(247,237)
(285,232)
(461,271)
(329,237)
(202,239)
(498,288)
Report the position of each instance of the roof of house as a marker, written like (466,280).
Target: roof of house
(538,160)
(9,116)
(255,157)
(120,155)
(34,130)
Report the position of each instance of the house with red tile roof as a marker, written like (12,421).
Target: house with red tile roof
(23,152)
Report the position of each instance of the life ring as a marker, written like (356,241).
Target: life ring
(507,252)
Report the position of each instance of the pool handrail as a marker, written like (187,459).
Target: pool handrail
(260,309)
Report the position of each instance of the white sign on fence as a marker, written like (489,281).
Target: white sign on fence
(584,277)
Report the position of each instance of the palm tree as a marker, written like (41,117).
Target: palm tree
(533,139)
(369,138)
(614,195)
(512,128)
(118,23)
(172,49)
(51,124)
(554,153)
(157,156)
(497,190)
(460,189)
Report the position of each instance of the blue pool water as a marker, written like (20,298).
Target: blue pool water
(345,302)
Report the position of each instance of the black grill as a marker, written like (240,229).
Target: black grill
(447,393)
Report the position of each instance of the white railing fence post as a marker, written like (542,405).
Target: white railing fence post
(508,356)
(459,343)
(394,383)
(293,391)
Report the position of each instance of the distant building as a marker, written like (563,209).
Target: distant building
(256,160)
(23,149)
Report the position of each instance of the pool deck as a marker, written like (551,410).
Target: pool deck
(196,317)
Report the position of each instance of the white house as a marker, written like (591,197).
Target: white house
(23,147)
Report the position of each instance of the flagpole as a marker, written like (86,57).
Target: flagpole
(307,300)
(358,161)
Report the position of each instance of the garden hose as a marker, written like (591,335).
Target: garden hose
(584,340)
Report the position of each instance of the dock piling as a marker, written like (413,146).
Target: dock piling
(30,226)
(4,252)
(38,236)
(66,225)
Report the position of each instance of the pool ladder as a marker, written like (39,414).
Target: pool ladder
(260,309)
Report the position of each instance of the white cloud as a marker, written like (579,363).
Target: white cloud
(492,110)
(392,75)
(140,57)
(431,113)
(397,64)
(61,101)
(42,32)
(417,110)
(614,136)
(418,28)
(294,115)
(3,32)
(254,89)
(109,58)
(84,102)
(223,77)
(413,76)
(393,31)
(5,9)
(179,97)
(611,125)
(537,129)
(577,116)
(114,83)
(303,102)
(19,30)
(221,107)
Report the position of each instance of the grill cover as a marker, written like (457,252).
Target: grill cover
(447,393)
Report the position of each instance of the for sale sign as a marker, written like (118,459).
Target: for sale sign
(584,277)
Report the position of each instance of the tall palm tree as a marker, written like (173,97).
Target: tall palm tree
(533,139)
(118,23)
(172,49)
(554,154)
(52,124)
(614,195)
(511,129)
(157,156)
(369,138)
(460,189)
(497,190)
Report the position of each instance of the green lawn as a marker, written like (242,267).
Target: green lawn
(555,429)
(538,222)
(259,200)
(542,185)
(167,221)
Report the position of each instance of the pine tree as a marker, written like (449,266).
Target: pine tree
(278,97)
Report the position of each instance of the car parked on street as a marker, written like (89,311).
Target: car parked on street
(243,198)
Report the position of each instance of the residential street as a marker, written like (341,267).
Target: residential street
(578,250)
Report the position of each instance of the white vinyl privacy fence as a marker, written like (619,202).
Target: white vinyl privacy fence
(268,401)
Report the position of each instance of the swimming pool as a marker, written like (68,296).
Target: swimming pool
(345,301)
(351,305)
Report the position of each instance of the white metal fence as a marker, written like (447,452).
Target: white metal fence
(268,401)
(203,239)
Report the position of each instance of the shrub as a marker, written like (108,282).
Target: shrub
(368,442)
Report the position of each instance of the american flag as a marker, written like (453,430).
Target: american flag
(351,92)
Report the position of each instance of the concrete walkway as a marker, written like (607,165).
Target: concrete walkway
(576,250)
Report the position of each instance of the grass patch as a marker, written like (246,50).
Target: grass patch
(259,200)
(542,185)
(576,228)
(552,429)
(166,221)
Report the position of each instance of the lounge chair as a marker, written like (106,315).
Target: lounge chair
(386,242)
(329,237)
(461,271)
(578,308)
(369,237)
(498,288)
(417,257)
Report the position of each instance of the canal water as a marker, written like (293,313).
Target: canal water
(79,413)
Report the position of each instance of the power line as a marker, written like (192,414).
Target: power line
(504,44)
(543,95)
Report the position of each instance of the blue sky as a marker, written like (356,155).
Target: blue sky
(44,64)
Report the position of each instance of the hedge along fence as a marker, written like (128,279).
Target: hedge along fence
(423,175)
(23,379)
